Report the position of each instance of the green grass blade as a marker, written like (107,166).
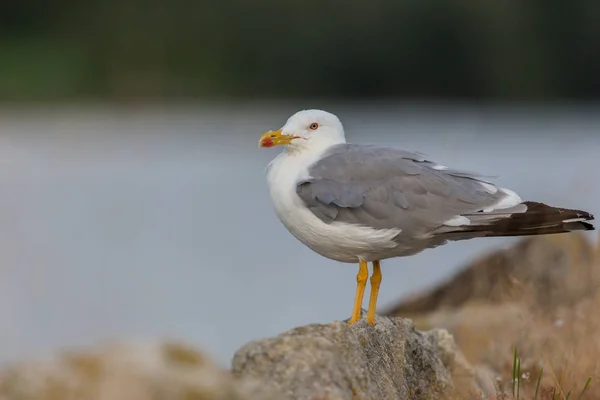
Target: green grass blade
(514,371)
(518,378)
(553,393)
(587,383)
(568,394)
(537,386)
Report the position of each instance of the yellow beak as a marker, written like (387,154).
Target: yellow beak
(275,138)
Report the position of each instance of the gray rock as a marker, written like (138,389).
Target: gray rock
(127,371)
(391,360)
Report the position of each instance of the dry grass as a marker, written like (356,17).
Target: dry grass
(540,296)
(566,344)
(558,348)
(568,350)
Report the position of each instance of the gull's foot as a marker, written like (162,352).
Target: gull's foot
(361,314)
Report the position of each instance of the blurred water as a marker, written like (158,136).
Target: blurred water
(155,222)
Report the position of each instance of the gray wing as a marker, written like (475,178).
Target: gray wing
(387,188)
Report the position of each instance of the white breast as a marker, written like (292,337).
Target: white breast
(339,241)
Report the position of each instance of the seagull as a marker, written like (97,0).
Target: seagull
(360,203)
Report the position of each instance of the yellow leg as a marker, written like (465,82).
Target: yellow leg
(361,283)
(375,282)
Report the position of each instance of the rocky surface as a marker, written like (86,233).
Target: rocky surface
(127,371)
(391,360)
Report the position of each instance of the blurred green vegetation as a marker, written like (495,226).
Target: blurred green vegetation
(111,49)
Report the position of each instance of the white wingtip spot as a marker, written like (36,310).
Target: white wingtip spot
(491,189)
(510,200)
(566,221)
(438,167)
(459,220)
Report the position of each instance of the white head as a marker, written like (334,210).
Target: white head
(306,130)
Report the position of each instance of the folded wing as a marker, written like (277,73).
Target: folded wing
(385,188)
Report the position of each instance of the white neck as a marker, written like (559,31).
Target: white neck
(316,145)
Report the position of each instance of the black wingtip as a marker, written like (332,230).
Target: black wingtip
(587,226)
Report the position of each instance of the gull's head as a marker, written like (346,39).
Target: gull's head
(306,130)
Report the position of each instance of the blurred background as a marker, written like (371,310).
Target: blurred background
(134,202)
(114,50)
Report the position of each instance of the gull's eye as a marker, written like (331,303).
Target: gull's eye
(313,126)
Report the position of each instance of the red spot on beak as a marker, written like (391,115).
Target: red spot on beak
(266,142)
